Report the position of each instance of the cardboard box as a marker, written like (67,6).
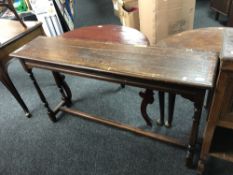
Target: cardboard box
(117,4)
(162,18)
(115,7)
(129,14)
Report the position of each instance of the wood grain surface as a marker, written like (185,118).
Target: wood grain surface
(179,66)
(203,39)
(12,30)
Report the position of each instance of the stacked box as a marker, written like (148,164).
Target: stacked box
(162,18)
(127,11)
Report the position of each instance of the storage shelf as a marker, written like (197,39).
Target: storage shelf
(222,146)
(225,124)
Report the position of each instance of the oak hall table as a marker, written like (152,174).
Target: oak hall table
(12,36)
(162,69)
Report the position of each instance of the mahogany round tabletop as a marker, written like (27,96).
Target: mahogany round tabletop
(203,39)
(109,33)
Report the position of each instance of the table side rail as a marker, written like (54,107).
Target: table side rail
(137,82)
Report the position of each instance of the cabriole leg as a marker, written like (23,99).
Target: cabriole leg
(4,77)
(63,88)
(147,98)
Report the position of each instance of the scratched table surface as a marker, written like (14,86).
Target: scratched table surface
(167,65)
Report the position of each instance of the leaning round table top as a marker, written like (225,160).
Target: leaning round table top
(109,33)
(203,39)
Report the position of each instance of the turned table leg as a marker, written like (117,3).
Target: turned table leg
(51,114)
(198,104)
(5,79)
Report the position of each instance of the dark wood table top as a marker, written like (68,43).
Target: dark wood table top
(11,30)
(165,65)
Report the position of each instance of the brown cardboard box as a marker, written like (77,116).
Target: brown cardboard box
(116,7)
(129,17)
(123,9)
(161,18)
(127,4)
(118,4)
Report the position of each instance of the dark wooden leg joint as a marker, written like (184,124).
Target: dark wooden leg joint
(122,85)
(147,98)
(63,88)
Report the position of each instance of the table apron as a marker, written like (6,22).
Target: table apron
(184,90)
